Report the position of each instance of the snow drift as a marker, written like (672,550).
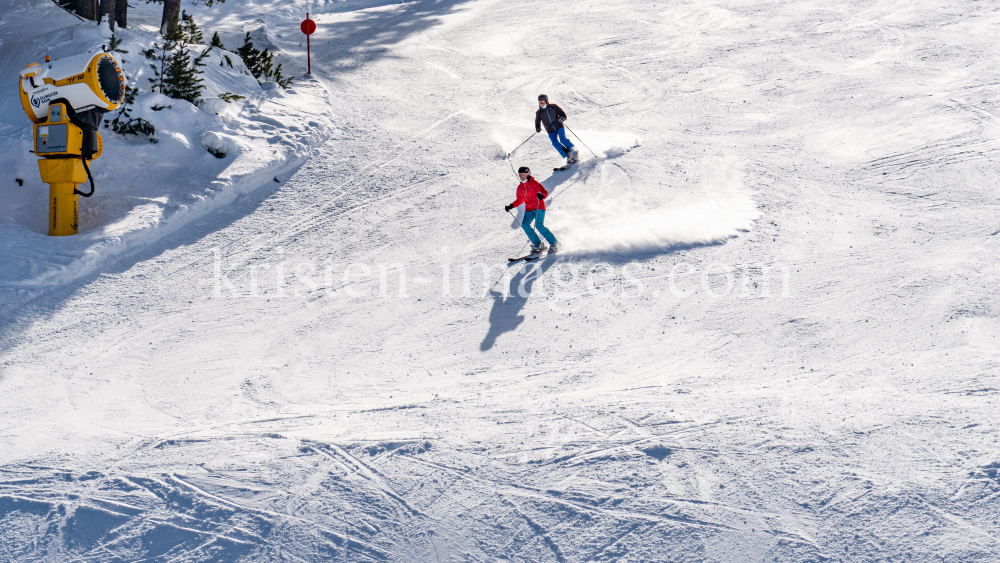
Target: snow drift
(593,217)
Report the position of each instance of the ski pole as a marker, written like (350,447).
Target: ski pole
(512,169)
(494,284)
(519,251)
(525,141)
(516,221)
(512,152)
(581,141)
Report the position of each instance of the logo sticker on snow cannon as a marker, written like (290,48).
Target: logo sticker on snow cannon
(43,95)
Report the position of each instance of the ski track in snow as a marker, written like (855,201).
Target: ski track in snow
(151,413)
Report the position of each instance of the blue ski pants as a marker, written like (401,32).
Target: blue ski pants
(560,142)
(538,218)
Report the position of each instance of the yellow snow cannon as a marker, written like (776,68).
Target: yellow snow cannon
(66,100)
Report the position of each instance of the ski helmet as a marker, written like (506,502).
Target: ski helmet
(524,170)
(543,97)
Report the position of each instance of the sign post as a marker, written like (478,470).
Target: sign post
(308,27)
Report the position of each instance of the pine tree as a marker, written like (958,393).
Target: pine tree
(178,75)
(181,80)
(217,44)
(124,124)
(192,33)
(281,80)
(229,97)
(251,56)
(261,64)
(166,50)
(115,44)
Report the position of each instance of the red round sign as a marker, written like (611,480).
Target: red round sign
(308,26)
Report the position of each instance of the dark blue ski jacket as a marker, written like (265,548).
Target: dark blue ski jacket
(551,117)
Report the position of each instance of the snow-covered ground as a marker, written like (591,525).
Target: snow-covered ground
(771,335)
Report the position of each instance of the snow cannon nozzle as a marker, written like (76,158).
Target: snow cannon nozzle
(81,82)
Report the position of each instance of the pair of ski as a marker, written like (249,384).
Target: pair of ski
(566,166)
(528,257)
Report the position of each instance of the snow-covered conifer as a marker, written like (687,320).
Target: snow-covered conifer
(261,64)
(192,33)
(217,42)
(176,73)
(125,124)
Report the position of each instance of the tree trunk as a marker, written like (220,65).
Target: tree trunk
(121,13)
(86,9)
(108,9)
(171,11)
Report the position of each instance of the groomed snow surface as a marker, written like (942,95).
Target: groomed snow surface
(770,335)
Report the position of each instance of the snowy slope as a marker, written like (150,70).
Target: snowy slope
(248,388)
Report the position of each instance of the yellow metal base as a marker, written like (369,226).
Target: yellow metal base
(63,210)
(62,175)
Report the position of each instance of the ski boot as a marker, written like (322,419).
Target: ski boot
(538,248)
(574,156)
(554,248)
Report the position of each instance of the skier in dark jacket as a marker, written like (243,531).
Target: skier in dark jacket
(551,117)
(532,194)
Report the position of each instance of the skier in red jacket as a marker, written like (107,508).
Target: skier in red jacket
(532,194)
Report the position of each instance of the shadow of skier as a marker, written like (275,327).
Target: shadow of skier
(506,313)
(570,179)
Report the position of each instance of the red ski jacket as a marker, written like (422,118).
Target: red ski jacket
(526,195)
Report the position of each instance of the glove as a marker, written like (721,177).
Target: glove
(538,130)
(540,196)
(507,208)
